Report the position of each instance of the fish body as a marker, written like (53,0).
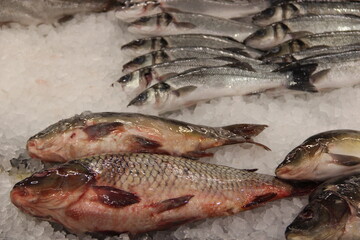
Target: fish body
(184,23)
(145,45)
(49,11)
(292,9)
(315,41)
(137,81)
(170,54)
(98,133)
(204,84)
(279,32)
(332,212)
(323,156)
(137,193)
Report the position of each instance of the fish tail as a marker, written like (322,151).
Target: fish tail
(300,188)
(300,77)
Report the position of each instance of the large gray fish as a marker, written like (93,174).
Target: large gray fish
(323,156)
(327,39)
(183,23)
(221,9)
(137,81)
(207,83)
(170,54)
(108,132)
(279,32)
(333,71)
(49,11)
(145,45)
(332,212)
(137,193)
(292,9)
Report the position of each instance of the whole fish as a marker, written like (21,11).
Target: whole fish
(221,9)
(327,39)
(323,156)
(183,23)
(137,81)
(108,132)
(145,45)
(332,212)
(279,32)
(49,11)
(170,54)
(292,9)
(204,84)
(137,193)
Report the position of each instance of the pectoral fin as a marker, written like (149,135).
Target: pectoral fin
(319,75)
(172,203)
(260,199)
(186,25)
(114,197)
(101,129)
(345,160)
(300,34)
(147,143)
(184,91)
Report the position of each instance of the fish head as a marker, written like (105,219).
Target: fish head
(138,62)
(154,24)
(136,81)
(53,188)
(268,16)
(157,96)
(267,37)
(138,44)
(322,219)
(138,9)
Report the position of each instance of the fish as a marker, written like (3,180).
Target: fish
(292,9)
(110,132)
(136,193)
(137,81)
(315,41)
(34,12)
(171,54)
(184,23)
(207,83)
(221,9)
(332,212)
(323,156)
(277,33)
(333,71)
(145,45)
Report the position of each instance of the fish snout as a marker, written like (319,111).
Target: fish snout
(283,172)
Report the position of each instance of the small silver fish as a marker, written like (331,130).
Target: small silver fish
(279,32)
(183,23)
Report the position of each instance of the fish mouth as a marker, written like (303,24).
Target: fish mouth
(283,172)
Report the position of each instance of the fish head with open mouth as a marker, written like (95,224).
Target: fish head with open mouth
(137,80)
(54,188)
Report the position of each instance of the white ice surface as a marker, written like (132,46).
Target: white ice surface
(49,73)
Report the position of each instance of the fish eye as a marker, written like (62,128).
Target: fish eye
(275,50)
(142,97)
(138,42)
(260,33)
(269,12)
(308,214)
(125,79)
(144,19)
(139,60)
(162,86)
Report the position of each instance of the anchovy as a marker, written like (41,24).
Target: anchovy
(145,45)
(49,11)
(137,81)
(327,39)
(280,32)
(292,9)
(171,54)
(108,132)
(137,193)
(183,23)
(207,83)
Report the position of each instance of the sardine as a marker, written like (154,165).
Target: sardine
(137,81)
(137,193)
(327,39)
(49,11)
(98,133)
(332,212)
(221,9)
(323,156)
(292,9)
(183,23)
(170,54)
(207,83)
(145,45)
(280,32)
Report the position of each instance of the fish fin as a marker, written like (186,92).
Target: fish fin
(146,142)
(242,65)
(186,25)
(299,34)
(300,79)
(251,170)
(65,18)
(166,76)
(102,129)
(260,199)
(175,222)
(245,130)
(184,91)
(319,75)
(170,9)
(345,160)
(172,203)
(114,197)
(238,51)
(197,154)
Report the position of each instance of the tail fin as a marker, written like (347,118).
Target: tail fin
(300,76)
